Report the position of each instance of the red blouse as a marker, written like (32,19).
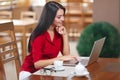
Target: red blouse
(42,48)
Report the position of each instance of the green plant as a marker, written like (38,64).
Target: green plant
(95,31)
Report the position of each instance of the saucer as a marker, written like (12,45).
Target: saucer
(83,74)
(60,69)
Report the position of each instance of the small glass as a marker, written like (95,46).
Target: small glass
(47,71)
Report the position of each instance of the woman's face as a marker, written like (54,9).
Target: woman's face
(59,18)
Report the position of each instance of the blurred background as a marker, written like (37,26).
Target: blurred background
(78,12)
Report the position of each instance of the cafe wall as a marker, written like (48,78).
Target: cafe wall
(107,10)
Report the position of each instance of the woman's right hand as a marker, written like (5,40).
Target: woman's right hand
(61,30)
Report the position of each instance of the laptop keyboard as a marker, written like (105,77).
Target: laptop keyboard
(70,63)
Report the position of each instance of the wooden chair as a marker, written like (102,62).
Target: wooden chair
(87,13)
(9,56)
(2,72)
(73,18)
(5,15)
(28,15)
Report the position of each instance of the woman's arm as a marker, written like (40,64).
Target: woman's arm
(43,63)
(66,48)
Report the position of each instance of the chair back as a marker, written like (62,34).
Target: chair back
(28,15)
(73,18)
(5,15)
(9,56)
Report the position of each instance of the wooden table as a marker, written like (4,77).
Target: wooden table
(22,26)
(97,70)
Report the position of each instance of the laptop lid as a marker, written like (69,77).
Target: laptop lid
(95,52)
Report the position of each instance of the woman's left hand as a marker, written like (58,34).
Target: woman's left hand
(68,57)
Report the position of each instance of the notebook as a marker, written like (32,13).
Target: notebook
(95,52)
(97,47)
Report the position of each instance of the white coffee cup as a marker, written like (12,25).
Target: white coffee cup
(58,64)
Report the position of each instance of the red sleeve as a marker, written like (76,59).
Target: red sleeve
(37,46)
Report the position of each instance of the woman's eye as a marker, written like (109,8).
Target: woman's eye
(59,17)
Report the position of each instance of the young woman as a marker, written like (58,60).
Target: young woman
(47,40)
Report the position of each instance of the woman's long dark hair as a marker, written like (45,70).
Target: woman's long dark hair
(46,19)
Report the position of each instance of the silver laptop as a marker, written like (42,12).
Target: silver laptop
(95,52)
